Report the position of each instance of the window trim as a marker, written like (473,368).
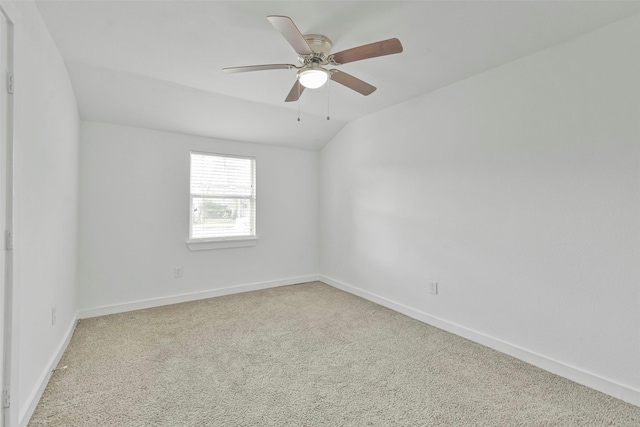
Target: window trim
(221,243)
(207,243)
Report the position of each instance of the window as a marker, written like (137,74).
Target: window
(223,199)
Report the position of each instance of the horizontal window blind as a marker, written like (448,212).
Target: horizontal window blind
(223,196)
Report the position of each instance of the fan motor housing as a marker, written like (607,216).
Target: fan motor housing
(319,43)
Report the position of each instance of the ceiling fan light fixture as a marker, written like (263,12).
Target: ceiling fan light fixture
(313,78)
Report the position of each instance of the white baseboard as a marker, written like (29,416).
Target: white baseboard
(32,401)
(577,375)
(193,296)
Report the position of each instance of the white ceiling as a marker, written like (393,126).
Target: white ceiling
(157,64)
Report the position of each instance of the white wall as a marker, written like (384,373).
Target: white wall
(518,191)
(134,198)
(46,143)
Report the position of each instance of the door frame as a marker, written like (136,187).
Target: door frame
(6,218)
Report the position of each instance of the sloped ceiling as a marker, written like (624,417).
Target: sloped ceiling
(157,64)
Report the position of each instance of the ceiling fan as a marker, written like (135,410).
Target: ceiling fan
(314,53)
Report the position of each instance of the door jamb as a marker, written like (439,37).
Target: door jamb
(7,193)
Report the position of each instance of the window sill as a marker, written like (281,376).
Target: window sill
(231,242)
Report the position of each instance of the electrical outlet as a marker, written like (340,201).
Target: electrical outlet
(177,272)
(53,316)
(433,288)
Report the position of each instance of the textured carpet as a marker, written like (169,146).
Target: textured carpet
(303,355)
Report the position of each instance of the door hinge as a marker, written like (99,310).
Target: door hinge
(8,240)
(6,397)
(10,82)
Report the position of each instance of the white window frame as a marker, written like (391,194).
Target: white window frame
(198,244)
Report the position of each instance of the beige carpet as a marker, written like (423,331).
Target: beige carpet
(303,355)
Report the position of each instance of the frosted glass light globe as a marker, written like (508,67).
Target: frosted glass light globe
(313,78)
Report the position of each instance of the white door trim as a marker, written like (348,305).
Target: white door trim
(6,214)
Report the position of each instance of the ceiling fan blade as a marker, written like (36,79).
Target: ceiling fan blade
(295,92)
(352,82)
(381,48)
(258,68)
(290,32)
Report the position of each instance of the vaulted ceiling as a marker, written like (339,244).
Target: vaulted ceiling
(158,64)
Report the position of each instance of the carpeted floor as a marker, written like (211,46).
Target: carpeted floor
(303,355)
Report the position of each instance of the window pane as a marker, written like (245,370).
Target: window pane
(221,176)
(214,217)
(223,200)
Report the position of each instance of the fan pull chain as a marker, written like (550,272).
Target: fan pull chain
(298,85)
(328,93)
